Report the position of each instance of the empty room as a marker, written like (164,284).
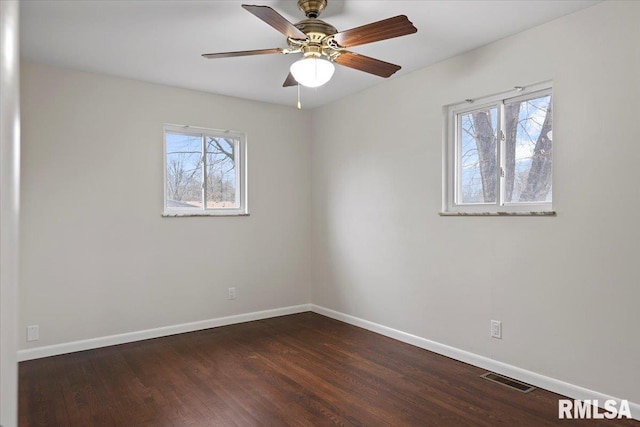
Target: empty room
(309,213)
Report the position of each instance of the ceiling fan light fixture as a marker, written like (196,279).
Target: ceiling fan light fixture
(312,71)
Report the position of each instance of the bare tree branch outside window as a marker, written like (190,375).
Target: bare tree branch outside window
(185,180)
(527,151)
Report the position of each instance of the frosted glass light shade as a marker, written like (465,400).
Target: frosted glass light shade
(312,72)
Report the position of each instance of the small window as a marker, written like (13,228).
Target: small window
(499,153)
(204,172)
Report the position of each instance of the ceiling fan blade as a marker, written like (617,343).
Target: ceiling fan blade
(242,53)
(290,81)
(367,64)
(276,20)
(376,31)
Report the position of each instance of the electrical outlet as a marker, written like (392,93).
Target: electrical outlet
(496,329)
(232,293)
(33,333)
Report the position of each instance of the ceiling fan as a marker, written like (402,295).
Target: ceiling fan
(322,45)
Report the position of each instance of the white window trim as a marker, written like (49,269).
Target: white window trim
(450,145)
(241,177)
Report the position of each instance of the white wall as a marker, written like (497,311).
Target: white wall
(9,208)
(566,288)
(97,257)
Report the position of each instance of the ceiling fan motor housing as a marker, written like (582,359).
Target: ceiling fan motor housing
(316,29)
(317,32)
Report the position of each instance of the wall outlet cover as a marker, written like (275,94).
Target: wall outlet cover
(33,333)
(496,329)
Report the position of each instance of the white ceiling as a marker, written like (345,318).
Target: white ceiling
(161,41)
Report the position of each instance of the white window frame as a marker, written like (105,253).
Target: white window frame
(240,161)
(451,157)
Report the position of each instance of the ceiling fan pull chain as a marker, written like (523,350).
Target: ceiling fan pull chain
(299,104)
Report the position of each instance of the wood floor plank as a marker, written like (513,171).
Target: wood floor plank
(43,400)
(298,370)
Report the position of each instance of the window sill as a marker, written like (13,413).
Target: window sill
(181,215)
(523,213)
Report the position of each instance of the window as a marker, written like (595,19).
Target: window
(499,153)
(204,172)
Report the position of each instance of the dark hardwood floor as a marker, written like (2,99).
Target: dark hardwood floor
(300,370)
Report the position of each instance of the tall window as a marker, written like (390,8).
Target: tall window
(204,172)
(499,153)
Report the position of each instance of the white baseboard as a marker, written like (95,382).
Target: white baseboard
(566,389)
(89,344)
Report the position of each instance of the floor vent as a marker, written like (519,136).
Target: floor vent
(508,382)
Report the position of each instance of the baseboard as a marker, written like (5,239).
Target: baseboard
(542,381)
(89,344)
